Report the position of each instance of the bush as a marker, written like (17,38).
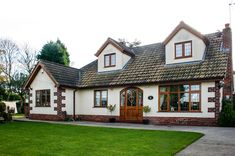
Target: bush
(2,107)
(227,115)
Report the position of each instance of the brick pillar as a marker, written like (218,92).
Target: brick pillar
(227,48)
(58,94)
(217,100)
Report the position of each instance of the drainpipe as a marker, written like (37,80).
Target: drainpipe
(74,97)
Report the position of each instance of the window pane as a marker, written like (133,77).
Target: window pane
(195,87)
(97,98)
(140,98)
(106,60)
(123,98)
(187,47)
(48,98)
(163,89)
(163,102)
(104,98)
(184,88)
(195,99)
(113,59)
(184,101)
(131,97)
(173,102)
(173,88)
(178,50)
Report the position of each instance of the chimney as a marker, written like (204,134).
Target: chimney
(227,48)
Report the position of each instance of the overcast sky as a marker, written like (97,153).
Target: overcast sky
(83,26)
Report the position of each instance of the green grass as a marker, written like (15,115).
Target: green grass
(32,139)
(18,116)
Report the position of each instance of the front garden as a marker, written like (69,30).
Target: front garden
(30,138)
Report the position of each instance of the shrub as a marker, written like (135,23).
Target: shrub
(2,107)
(227,115)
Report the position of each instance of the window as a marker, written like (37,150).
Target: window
(179,98)
(43,98)
(183,49)
(110,60)
(131,97)
(101,98)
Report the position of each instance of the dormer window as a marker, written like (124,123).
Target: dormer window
(183,49)
(110,60)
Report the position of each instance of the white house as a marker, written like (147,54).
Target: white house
(182,79)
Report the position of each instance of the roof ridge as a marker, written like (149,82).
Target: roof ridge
(58,64)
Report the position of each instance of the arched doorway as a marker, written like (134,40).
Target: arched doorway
(131,104)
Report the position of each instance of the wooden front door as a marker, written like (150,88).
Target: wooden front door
(131,106)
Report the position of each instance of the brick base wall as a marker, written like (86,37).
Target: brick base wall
(46,117)
(157,120)
(182,121)
(97,118)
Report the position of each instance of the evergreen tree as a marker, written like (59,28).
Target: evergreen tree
(55,52)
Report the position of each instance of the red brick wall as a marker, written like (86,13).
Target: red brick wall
(46,117)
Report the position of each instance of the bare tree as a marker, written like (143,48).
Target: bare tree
(135,43)
(27,58)
(8,58)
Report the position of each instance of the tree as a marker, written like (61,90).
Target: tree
(27,58)
(55,52)
(9,52)
(135,43)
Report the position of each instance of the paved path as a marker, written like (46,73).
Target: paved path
(218,141)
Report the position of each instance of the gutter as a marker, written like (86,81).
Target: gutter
(74,97)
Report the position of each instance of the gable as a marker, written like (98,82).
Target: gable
(42,81)
(39,67)
(120,58)
(197,47)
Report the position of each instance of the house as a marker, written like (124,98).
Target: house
(183,79)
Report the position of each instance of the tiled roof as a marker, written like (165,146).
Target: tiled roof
(64,75)
(148,66)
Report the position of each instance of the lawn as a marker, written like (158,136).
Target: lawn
(31,138)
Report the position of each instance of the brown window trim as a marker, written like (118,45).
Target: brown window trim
(100,98)
(41,97)
(110,56)
(178,92)
(183,49)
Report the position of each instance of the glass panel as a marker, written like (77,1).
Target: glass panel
(106,60)
(178,50)
(131,97)
(187,47)
(113,59)
(195,87)
(173,88)
(173,102)
(97,98)
(163,89)
(48,98)
(140,98)
(104,98)
(184,88)
(129,100)
(123,98)
(195,101)
(163,102)
(184,101)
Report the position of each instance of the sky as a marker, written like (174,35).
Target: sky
(83,26)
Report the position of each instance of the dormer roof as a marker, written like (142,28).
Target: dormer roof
(122,47)
(183,25)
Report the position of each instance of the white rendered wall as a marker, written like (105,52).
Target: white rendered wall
(41,82)
(68,101)
(198,47)
(85,102)
(121,59)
